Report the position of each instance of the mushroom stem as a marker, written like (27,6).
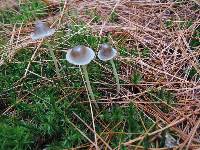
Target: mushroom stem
(115,74)
(88,85)
(55,61)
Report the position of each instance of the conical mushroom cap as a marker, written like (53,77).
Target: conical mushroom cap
(80,55)
(41,31)
(106,52)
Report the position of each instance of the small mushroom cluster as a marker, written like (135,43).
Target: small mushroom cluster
(79,55)
(82,55)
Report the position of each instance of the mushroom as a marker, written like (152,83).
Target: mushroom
(43,31)
(82,55)
(106,52)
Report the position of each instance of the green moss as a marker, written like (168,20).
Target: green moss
(136,78)
(31,10)
(113,17)
(168,24)
(15,137)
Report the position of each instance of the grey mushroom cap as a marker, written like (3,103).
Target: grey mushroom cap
(106,52)
(41,31)
(80,55)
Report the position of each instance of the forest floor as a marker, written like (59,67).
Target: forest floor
(158,63)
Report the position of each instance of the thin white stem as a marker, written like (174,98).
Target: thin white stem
(88,85)
(55,61)
(115,74)
(93,98)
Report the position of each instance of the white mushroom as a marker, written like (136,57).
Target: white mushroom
(106,52)
(41,31)
(82,55)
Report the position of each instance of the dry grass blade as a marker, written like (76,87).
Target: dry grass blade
(155,132)
(107,146)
